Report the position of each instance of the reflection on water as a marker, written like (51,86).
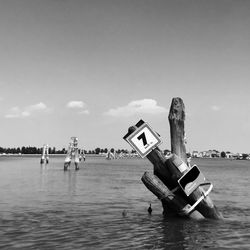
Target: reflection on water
(44,207)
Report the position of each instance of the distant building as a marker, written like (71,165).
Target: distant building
(230,155)
(195,154)
(216,153)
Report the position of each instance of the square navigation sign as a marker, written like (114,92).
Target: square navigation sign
(143,140)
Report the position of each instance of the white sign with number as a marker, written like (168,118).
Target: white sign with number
(143,140)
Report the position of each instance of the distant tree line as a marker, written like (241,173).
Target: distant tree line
(53,150)
(97,151)
(30,150)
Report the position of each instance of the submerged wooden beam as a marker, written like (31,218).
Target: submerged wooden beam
(206,206)
(171,201)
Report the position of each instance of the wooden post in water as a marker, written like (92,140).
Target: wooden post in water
(72,153)
(175,204)
(176,120)
(45,154)
(161,183)
(167,172)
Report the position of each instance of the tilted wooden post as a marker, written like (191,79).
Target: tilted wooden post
(167,171)
(173,203)
(161,183)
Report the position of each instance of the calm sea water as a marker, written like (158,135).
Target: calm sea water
(43,207)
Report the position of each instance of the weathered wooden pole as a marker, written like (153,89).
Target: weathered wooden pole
(168,171)
(77,159)
(173,205)
(45,154)
(176,120)
(72,153)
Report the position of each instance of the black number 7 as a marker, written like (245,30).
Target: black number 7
(144,140)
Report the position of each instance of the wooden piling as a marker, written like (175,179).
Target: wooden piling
(176,119)
(170,207)
(177,131)
(206,206)
(45,154)
(177,205)
(169,170)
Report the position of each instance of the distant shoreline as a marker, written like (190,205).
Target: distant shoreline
(39,155)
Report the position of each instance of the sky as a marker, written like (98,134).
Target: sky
(93,68)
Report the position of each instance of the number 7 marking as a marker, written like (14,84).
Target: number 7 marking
(144,140)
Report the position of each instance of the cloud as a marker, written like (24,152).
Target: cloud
(17,112)
(38,106)
(79,105)
(75,104)
(85,112)
(144,106)
(215,108)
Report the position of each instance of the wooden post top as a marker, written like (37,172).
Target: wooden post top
(177,109)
